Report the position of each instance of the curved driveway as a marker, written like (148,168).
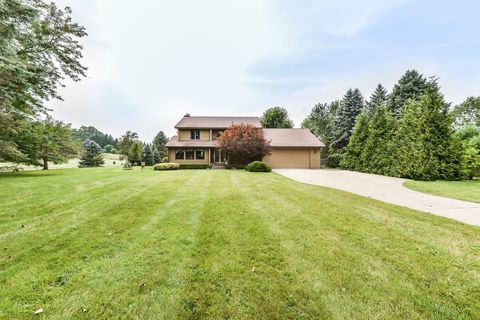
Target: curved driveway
(387,189)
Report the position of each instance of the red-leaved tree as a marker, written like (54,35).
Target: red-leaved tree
(243,144)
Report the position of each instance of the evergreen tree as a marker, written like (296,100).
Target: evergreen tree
(135,153)
(353,158)
(148,155)
(410,86)
(344,122)
(159,142)
(276,117)
(377,151)
(91,155)
(156,155)
(425,148)
(378,98)
(320,122)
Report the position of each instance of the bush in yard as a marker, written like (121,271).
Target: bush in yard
(166,166)
(193,166)
(333,160)
(258,166)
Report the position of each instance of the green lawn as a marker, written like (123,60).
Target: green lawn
(462,190)
(106,243)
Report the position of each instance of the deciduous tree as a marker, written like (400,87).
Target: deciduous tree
(320,122)
(39,47)
(243,143)
(468,112)
(276,117)
(47,141)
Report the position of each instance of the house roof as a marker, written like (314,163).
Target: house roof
(173,142)
(193,122)
(291,138)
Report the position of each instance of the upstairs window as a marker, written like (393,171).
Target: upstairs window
(195,134)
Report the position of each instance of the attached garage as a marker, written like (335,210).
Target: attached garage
(294,158)
(293,148)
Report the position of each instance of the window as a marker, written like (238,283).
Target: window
(179,154)
(189,154)
(195,134)
(199,154)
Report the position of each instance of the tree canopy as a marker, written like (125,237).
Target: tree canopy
(468,112)
(39,48)
(320,121)
(244,144)
(410,86)
(276,117)
(47,141)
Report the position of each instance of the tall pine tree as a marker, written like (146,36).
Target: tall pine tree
(353,158)
(344,122)
(378,98)
(156,155)
(410,86)
(148,155)
(377,150)
(426,149)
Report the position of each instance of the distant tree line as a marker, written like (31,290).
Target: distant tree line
(92,133)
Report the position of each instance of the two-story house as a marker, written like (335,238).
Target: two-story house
(195,142)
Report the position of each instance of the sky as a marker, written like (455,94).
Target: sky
(151,61)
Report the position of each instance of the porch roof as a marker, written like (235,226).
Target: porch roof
(174,142)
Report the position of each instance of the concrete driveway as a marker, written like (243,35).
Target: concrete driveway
(387,189)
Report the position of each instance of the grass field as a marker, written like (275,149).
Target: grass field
(112,244)
(462,190)
(111,160)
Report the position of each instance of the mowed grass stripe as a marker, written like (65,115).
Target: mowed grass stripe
(42,258)
(237,269)
(144,276)
(371,262)
(46,202)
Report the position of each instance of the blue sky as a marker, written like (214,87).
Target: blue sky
(152,61)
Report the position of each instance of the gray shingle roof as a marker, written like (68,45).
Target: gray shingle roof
(194,122)
(292,138)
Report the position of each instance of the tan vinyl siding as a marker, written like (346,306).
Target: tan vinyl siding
(293,158)
(171,156)
(315,158)
(185,135)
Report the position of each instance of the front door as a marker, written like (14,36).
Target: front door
(218,156)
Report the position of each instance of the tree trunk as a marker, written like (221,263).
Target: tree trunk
(45,164)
